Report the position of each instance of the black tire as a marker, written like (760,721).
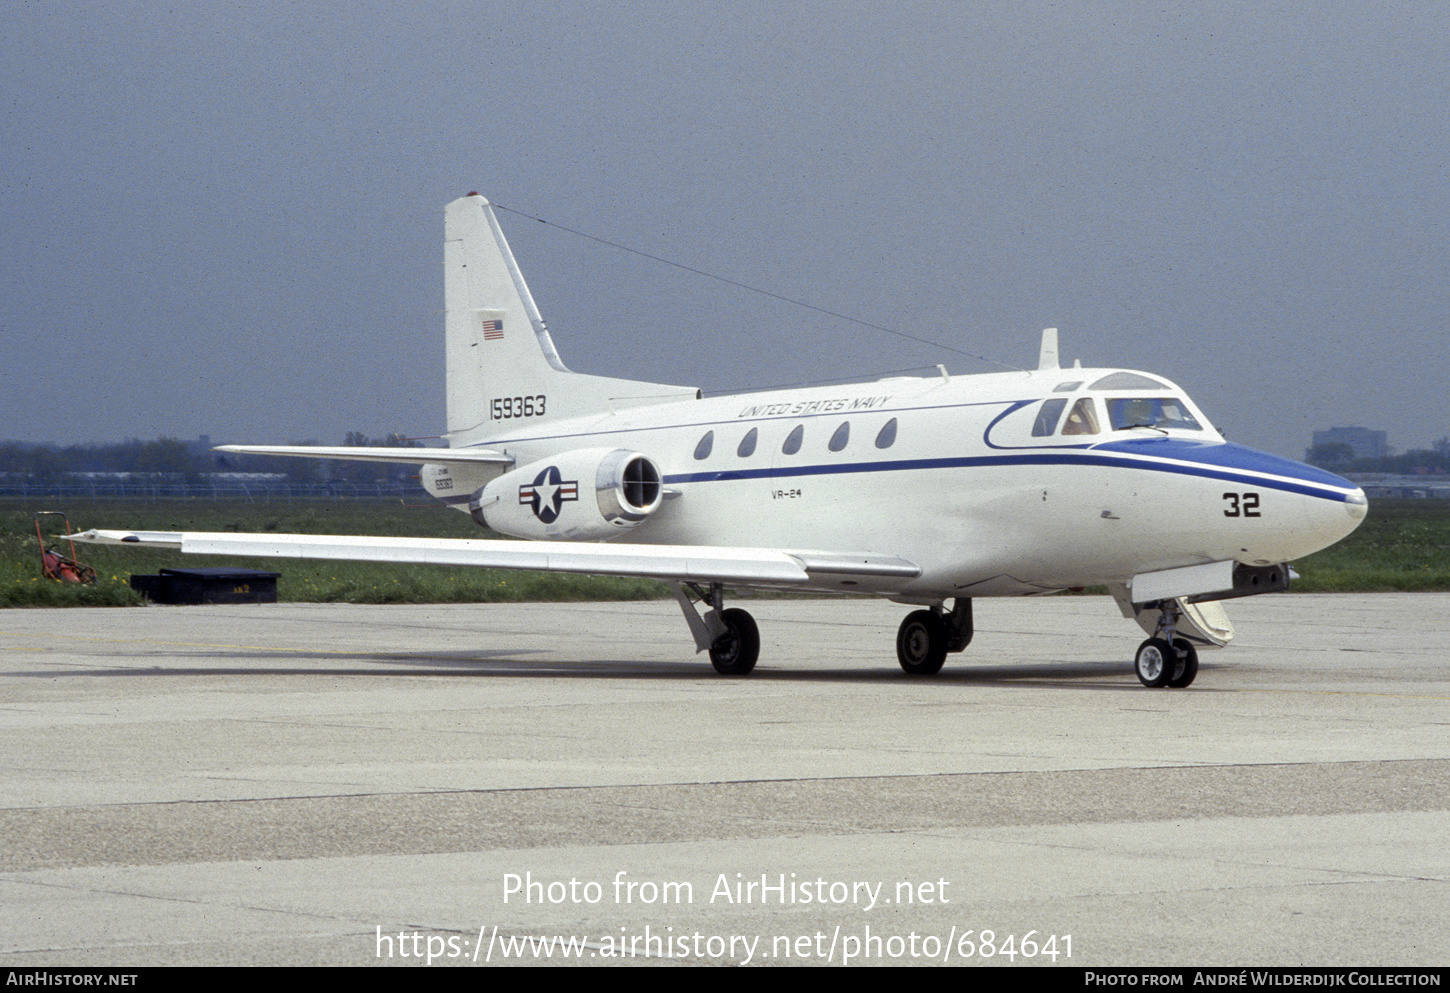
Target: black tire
(1155,663)
(734,652)
(1187,667)
(921,643)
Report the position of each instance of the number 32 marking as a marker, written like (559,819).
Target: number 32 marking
(1242,505)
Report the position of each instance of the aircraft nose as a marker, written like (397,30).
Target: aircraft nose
(1299,509)
(1357,505)
(1350,496)
(1330,516)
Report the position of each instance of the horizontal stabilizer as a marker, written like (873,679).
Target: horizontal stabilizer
(358,453)
(680,563)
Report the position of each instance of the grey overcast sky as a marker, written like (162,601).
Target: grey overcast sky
(226,219)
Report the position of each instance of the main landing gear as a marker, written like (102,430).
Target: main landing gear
(1165,660)
(734,652)
(730,635)
(927,636)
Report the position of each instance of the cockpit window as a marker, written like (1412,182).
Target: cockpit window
(1150,412)
(1067,387)
(1047,417)
(1127,381)
(1083,419)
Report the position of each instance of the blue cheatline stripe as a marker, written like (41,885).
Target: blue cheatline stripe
(1088,458)
(1224,456)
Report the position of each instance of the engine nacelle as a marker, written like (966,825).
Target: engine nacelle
(581,495)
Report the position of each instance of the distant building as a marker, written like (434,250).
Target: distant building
(1364,443)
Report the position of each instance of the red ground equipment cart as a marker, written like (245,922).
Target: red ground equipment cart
(54,565)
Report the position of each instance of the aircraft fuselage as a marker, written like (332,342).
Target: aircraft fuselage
(974,478)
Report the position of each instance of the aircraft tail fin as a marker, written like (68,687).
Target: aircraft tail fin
(502,364)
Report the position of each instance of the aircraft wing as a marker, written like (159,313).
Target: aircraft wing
(355,453)
(679,563)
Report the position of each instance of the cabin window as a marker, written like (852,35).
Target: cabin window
(1083,419)
(1150,412)
(842,435)
(747,444)
(1046,424)
(793,440)
(702,450)
(886,437)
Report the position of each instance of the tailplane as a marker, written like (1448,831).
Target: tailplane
(503,368)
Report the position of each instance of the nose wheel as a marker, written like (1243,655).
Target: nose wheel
(1165,660)
(1186,669)
(1161,663)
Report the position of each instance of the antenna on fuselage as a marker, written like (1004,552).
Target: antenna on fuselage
(1048,357)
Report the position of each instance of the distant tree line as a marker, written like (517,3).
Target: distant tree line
(1340,457)
(189,461)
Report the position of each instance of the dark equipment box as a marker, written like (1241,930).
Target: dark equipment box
(181,586)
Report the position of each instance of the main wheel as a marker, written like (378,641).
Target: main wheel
(1186,667)
(734,652)
(1155,662)
(921,643)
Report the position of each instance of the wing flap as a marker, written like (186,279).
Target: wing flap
(680,563)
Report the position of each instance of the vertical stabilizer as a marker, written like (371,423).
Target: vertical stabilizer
(503,369)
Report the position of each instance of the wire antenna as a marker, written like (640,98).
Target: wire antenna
(756,289)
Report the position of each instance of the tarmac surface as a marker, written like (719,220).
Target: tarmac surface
(331,784)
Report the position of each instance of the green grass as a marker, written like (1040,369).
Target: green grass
(1404,545)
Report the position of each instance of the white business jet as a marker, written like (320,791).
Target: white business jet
(929,490)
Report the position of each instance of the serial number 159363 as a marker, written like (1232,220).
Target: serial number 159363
(504,408)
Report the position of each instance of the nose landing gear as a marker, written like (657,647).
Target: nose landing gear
(1165,660)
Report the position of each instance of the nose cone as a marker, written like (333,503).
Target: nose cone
(1357,506)
(1260,509)
(1302,509)
(1329,519)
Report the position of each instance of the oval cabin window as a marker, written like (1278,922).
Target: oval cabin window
(702,450)
(747,444)
(793,440)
